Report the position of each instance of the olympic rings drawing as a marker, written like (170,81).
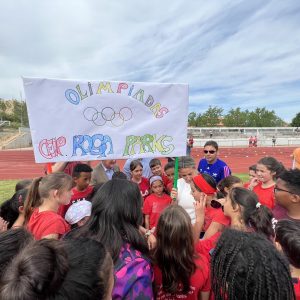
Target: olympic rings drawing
(108,115)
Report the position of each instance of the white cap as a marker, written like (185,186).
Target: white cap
(77,211)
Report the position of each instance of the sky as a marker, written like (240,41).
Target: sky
(242,53)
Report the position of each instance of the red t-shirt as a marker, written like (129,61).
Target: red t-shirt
(76,196)
(44,223)
(154,205)
(166,180)
(296,282)
(214,215)
(199,282)
(203,247)
(170,186)
(144,187)
(265,195)
(246,185)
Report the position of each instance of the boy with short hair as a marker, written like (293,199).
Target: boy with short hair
(287,195)
(156,169)
(81,177)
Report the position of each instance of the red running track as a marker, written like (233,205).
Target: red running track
(19,164)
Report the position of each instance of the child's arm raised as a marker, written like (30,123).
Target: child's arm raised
(59,167)
(200,213)
(147,220)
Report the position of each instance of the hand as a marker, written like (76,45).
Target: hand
(253,182)
(174,194)
(3,225)
(151,242)
(221,200)
(199,207)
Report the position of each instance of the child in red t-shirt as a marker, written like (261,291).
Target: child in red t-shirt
(169,171)
(267,170)
(136,171)
(155,203)
(156,169)
(287,238)
(179,271)
(253,180)
(44,197)
(214,220)
(246,213)
(81,177)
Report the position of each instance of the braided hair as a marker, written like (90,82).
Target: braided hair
(247,266)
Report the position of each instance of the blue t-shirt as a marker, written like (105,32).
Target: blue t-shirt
(217,170)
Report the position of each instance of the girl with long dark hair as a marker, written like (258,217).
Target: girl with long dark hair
(247,213)
(115,221)
(179,271)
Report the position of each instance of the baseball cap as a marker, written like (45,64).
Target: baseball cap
(77,211)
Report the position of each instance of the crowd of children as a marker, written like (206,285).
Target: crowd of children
(135,236)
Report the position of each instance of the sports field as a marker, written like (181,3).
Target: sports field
(20,164)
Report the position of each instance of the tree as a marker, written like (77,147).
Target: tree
(192,119)
(212,117)
(15,112)
(296,120)
(200,121)
(261,117)
(236,118)
(2,109)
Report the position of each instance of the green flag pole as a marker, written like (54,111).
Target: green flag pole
(176,173)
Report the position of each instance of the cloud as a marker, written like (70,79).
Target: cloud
(234,53)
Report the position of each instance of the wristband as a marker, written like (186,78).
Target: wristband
(149,232)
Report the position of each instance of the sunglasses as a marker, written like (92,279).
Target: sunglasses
(209,151)
(215,204)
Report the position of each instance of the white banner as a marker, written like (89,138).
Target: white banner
(94,120)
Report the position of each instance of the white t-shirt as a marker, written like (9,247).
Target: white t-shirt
(185,198)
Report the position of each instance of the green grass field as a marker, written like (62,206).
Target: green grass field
(7,187)
(243,176)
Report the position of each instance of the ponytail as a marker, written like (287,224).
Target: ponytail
(41,187)
(33,198)
(254,215)
(261,221)
(37,272)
